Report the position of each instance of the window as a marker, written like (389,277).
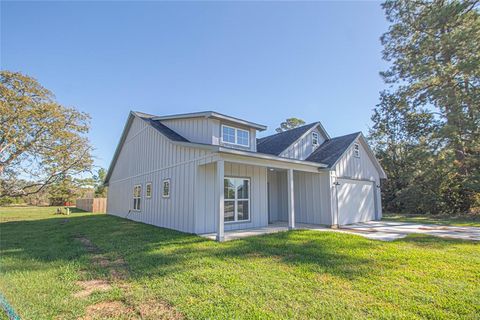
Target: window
(235,136)
(236,199)
(356,150)
(137,195)
(166,188)
(148,190)
(315,139)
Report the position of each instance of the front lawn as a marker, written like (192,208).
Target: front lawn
(92,266)
(458,220)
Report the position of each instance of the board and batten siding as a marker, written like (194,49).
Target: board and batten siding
(312,198)
(303,147)
(206,204)
(149,157)
(208,131)
(360,168)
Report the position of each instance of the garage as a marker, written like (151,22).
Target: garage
(356,201)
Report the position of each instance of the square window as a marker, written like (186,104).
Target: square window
(228,134)
(243,137)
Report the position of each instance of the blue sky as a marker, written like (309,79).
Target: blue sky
(262,61)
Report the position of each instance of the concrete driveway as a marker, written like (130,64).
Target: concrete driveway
(388,230)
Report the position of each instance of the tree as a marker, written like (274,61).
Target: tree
(290,123)
(41,141)
(433,102)
(99,178)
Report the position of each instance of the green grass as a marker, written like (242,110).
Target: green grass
(297,274)
(458,220)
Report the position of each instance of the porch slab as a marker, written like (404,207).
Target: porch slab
(271,228)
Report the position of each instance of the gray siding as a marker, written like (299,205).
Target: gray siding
(147,156)
(208,131)
(361,168)
(312,198)
(206,205)
(302,148)
(199,130)
(277,181)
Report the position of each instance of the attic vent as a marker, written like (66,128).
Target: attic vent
(315,139)
(356,150)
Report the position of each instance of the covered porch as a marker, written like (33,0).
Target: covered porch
(273,202)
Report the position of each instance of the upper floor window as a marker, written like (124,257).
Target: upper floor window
(235,136)
(356,150)
(315,140)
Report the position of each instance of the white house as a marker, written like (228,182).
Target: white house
(207,172)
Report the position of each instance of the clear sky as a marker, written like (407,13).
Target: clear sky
(261,61)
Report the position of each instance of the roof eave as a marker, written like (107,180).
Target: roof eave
(212,114)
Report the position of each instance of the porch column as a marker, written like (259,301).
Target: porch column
(220,196)
(291,204)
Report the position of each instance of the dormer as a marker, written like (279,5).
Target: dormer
(298,143)
(214,128)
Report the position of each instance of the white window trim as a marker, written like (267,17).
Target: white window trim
(139,197)
(235,205)
(315,136)
(236,136)
(169,188)
(356,150)
(146,190)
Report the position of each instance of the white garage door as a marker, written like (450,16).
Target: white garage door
(356,202)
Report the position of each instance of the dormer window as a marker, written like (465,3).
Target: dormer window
(356,150)
(236,136)
(315,139)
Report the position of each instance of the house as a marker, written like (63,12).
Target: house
(207,172)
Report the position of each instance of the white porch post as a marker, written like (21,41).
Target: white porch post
(291,204)
(220,196)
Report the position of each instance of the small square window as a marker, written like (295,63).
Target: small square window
(356,150)
(242,137)
(148,190)
(228,134)
(166,188)
(315,142)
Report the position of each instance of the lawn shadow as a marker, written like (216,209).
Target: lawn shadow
(153,251)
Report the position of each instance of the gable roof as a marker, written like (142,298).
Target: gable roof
(148,118)
(212,114)
(331,150)
(277,143)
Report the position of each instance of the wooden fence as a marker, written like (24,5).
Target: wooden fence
(97,205)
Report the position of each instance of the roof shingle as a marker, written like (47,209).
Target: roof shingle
(277,143)
(331,150)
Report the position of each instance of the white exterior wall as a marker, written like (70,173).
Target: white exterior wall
(208,131)
(303,147)
(205,202)
(362,168)
(148,156)
(312,198)
(199,130)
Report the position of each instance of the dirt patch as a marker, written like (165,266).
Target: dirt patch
(91,286)
(153,309)
(109,310)
(87,244)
